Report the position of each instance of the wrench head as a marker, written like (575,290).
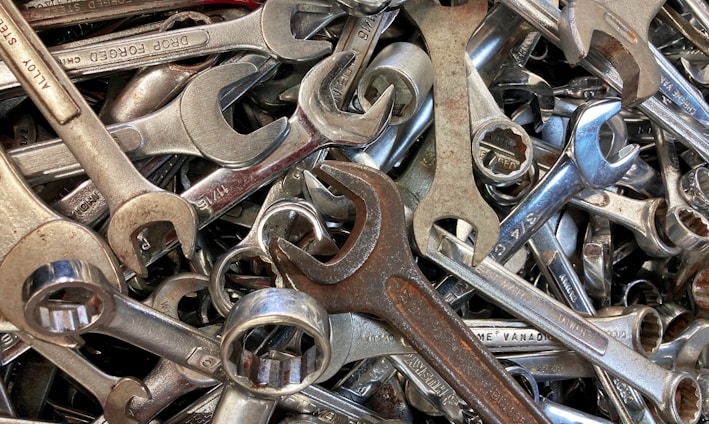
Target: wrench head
(59,240)
(277,30)
(135,214)
(317,105)
(619,32)
(593,165)
(201,115)
(368,194)
(116,408)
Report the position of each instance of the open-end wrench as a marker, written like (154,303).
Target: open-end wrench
(134,202)
(267,29)
(113,393)
(582,165)
(676,395)
(192,124)
(375,273)
(453,193)
(619,30)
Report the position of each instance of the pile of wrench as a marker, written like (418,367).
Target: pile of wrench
(354,211)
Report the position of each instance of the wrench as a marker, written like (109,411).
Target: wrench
(89,304)
(453,193)
(521,299)
(192,124)
(113,393)
(134,202)
(618,29)
(581,165)
(267,30)
(396,291)
(544,16)
(686,227)
(30,223)
(695,188)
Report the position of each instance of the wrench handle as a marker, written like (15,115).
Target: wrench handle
(445,342)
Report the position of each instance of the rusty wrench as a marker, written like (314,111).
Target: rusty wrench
(375,273)
(446,32)
(134,202)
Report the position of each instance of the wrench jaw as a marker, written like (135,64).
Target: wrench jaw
(116,409)
(367,226)
(279,34)
(319,108)
(60,240)
(591,24)
(210,132)
(597,170)
(152,207)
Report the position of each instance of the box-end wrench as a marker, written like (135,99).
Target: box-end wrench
(134,202)
(378,274)
(685,226)
(34,235)
(113,393)
(619,30)
(104,310)
(581,165)
(453,193)
(267,30)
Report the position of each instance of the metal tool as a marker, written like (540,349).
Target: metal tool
(399,295)
(268,30)
(619,31)
(582,165)
(453,193)
(134,202)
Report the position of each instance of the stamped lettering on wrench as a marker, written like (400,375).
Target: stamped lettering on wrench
(32,73)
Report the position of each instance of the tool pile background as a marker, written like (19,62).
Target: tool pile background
(354,211)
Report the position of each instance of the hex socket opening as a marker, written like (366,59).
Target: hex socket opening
(65,298)
(650,332)
(686,401)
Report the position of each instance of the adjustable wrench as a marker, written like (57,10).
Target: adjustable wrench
(113,393)
(134,202)
(376,273)
(453,193)
(581,165)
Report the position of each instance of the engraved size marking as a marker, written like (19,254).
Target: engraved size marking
(16,45)
(516,233)
(206,202)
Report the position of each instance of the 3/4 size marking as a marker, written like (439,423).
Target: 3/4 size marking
(21,57)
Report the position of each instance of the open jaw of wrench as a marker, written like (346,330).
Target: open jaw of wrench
(375,273)
(582,165)
(453,193)
(134,202)
(192,124)
(619,31)
(267,29)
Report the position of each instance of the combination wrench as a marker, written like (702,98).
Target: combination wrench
(379,275)
(133,201)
